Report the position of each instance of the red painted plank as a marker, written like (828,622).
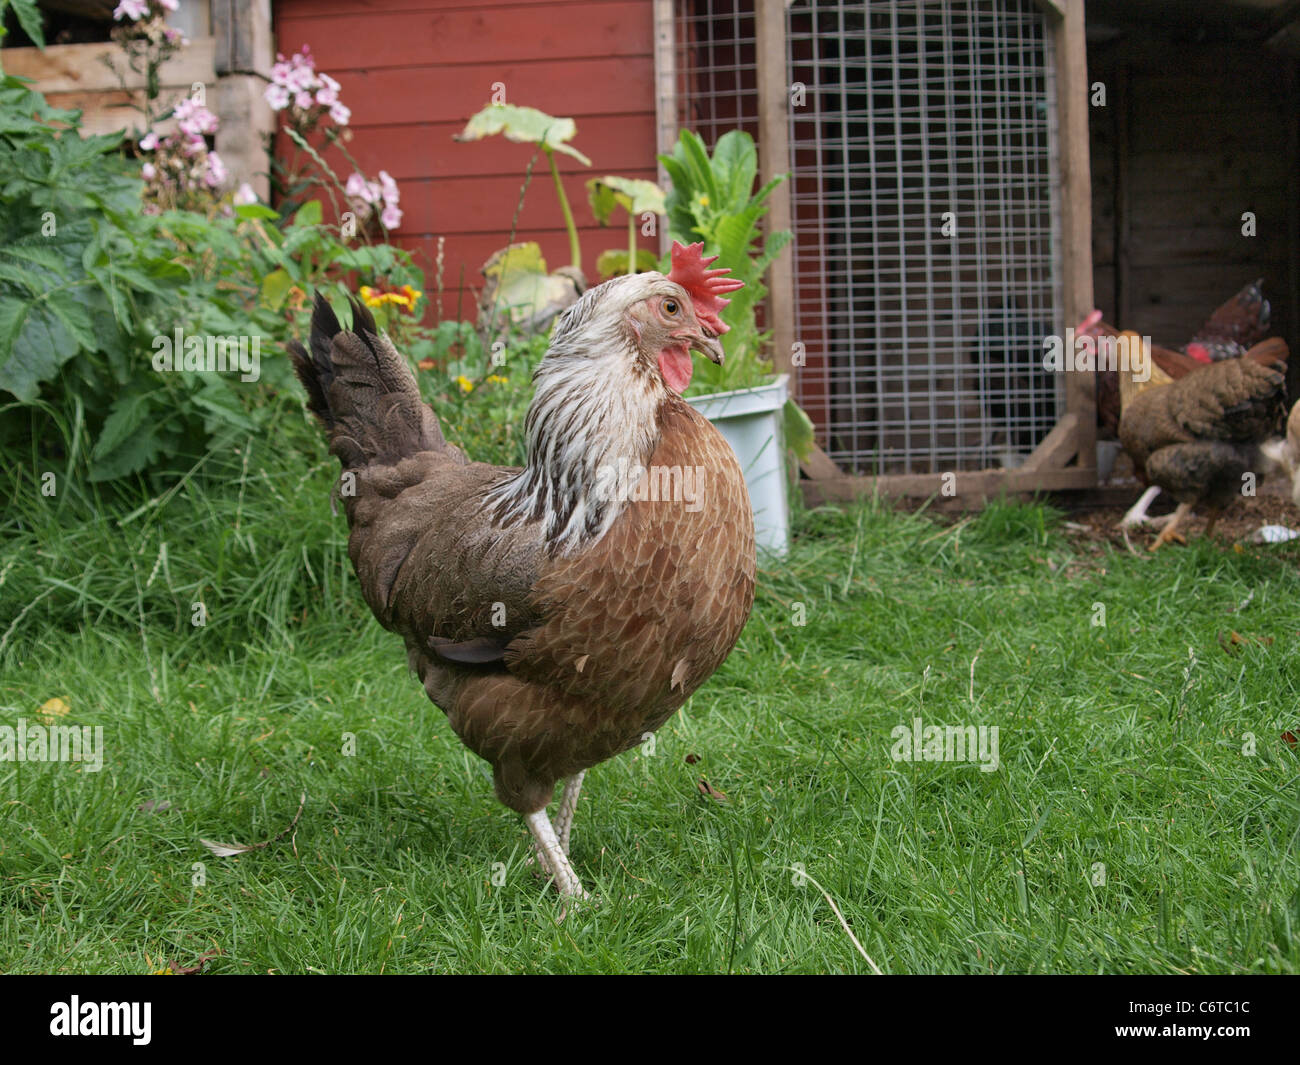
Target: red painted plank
(616,144)
(487,205)
(432,94)
(499,35)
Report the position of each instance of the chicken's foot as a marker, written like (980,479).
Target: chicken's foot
(1137,513)
(552,857)
(568,807)
(1170,532)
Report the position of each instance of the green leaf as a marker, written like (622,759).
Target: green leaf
(633,195)
(309,214)
(275,288)
(613,263)
(260,211)
(125,416)
(799,431)
(29,18)
(525,125)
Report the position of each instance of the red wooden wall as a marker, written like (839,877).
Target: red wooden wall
(413,71)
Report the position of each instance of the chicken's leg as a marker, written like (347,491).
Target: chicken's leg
(568,807)
(552,857)
(1170,531)
(1137,513)
(1214,516)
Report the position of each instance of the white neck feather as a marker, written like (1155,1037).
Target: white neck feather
(590,410)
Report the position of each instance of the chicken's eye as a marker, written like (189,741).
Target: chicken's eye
(671,306)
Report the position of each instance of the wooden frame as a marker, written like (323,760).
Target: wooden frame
(1066,458)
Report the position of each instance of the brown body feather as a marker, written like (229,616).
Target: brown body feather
(1196,436)
(546,662)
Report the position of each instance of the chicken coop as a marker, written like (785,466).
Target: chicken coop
(939,201)
(964,173)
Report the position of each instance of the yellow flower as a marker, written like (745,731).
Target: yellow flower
(466,385)
(404,297)
(497,379)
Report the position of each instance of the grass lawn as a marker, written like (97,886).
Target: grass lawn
(1132,824)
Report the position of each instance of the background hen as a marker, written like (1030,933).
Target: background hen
(1197,436)
(1234,326)
(555,619)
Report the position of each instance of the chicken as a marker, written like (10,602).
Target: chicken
(1196,437)
(1286,452)
(556,616)
(1234,327)
(1166,365)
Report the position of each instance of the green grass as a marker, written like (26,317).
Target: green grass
(1121,746)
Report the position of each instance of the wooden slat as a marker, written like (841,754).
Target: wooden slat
(487,205)
(1057,448)
(618,143)
(818,465)
(80,68)
(665,98)
(774,159)
(523,33)
(402,96)
(973,488)
(1076,220)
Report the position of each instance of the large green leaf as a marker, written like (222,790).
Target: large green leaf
(632,194)
(525,125)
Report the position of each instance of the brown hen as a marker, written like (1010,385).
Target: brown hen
(1198,436)
(556,618)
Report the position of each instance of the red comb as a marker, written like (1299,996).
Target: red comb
(705,286)
(1088,327)
(1199,352)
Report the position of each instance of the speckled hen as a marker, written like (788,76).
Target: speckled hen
(554,615)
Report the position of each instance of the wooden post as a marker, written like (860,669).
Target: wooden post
(774,159)
(665,94)
(241,30)
(1076,212)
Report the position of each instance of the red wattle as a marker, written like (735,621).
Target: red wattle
(676,366)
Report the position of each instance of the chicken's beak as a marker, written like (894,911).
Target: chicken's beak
(707,345)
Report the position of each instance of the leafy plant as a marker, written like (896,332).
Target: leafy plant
(93,290)
(712,200)
(637,198)
(527,125)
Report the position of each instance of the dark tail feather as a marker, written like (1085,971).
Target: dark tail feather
(362,391)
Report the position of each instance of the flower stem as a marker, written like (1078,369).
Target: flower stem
(631,243)
(575,252)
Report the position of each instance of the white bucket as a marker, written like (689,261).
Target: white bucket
(751,421)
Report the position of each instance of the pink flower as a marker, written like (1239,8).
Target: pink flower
(169,5)
(277,96)
(194,144)
(304,100)
(148,172)
(245,194)
(280,72)
(149,141)
(216,174)
(326,97)
(340,113)
(391,217)
(132,9)
(388,187)
(355,187)
(329,82)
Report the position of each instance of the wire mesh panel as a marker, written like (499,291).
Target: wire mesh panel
(924,196)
